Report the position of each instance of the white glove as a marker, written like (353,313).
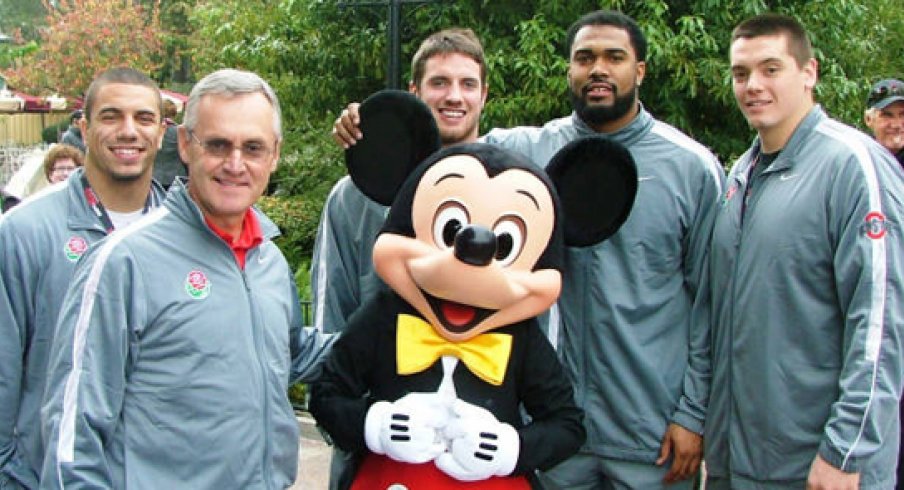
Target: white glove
(407,430)
(480,445)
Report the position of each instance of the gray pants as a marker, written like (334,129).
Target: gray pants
(586,471)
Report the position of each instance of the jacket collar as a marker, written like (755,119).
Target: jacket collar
(81,217)
(801,134)
(180,203)
(628,135)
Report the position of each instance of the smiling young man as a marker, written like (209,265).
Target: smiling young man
(806,275)
(184,330)
(449,76)
(42,239)
(631,325)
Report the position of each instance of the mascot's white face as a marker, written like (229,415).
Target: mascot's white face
(469,267)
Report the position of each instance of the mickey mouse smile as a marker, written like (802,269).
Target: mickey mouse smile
(456,317)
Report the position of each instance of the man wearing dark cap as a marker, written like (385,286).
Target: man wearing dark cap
(73,135)
(884,115)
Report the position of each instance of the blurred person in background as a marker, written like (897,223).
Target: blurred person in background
(168,165)
(884,115)
(73,135)
(60,161)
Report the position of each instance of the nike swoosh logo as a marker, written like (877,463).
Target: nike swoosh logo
(787,176)
(641,179)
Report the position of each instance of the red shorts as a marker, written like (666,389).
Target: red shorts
(380,472)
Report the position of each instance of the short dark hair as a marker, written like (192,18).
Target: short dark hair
(76,115)
(612,18)
(128,76)
(772,24)
(448,41)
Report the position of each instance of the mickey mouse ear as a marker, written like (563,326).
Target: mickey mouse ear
(596,179)
(399,132)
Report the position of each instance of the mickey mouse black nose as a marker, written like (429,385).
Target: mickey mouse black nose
(475,245)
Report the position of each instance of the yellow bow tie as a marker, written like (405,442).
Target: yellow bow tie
(418,346)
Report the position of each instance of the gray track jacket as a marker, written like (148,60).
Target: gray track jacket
(40,242)
(807,297)
(342,271)
(634,334)
(172,363)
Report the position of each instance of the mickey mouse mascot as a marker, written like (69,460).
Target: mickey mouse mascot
(427,383)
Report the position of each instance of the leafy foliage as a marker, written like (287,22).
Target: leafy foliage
(176,32)
(22,18)
(83,38)
(9,54)
(321,54)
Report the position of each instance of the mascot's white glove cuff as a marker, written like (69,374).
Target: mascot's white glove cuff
(373,426)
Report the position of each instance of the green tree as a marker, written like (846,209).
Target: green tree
(321,54)
(84,37)
(24,18)
(176,31)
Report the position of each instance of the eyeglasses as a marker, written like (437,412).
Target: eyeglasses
(252,151)
(891,89)
(62,170)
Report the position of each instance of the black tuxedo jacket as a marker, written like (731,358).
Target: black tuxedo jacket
(361,369)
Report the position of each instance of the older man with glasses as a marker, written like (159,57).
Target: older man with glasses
(884,115)
(185,330)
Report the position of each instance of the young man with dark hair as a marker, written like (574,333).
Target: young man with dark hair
(631,324)
(449,76)
(42,238)
(806,274)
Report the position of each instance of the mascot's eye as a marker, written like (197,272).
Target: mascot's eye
(450,218)
(509,233)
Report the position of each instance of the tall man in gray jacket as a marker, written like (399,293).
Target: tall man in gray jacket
(179,336)
(807,276)
(42,239)
(630,326)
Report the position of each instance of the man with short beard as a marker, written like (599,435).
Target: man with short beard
(43,237)
(630,325)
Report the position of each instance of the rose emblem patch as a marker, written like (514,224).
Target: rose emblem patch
(197,285)
(75,247)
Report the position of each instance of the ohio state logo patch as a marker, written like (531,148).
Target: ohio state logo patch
(75,247)
(875,225)
(197,285)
